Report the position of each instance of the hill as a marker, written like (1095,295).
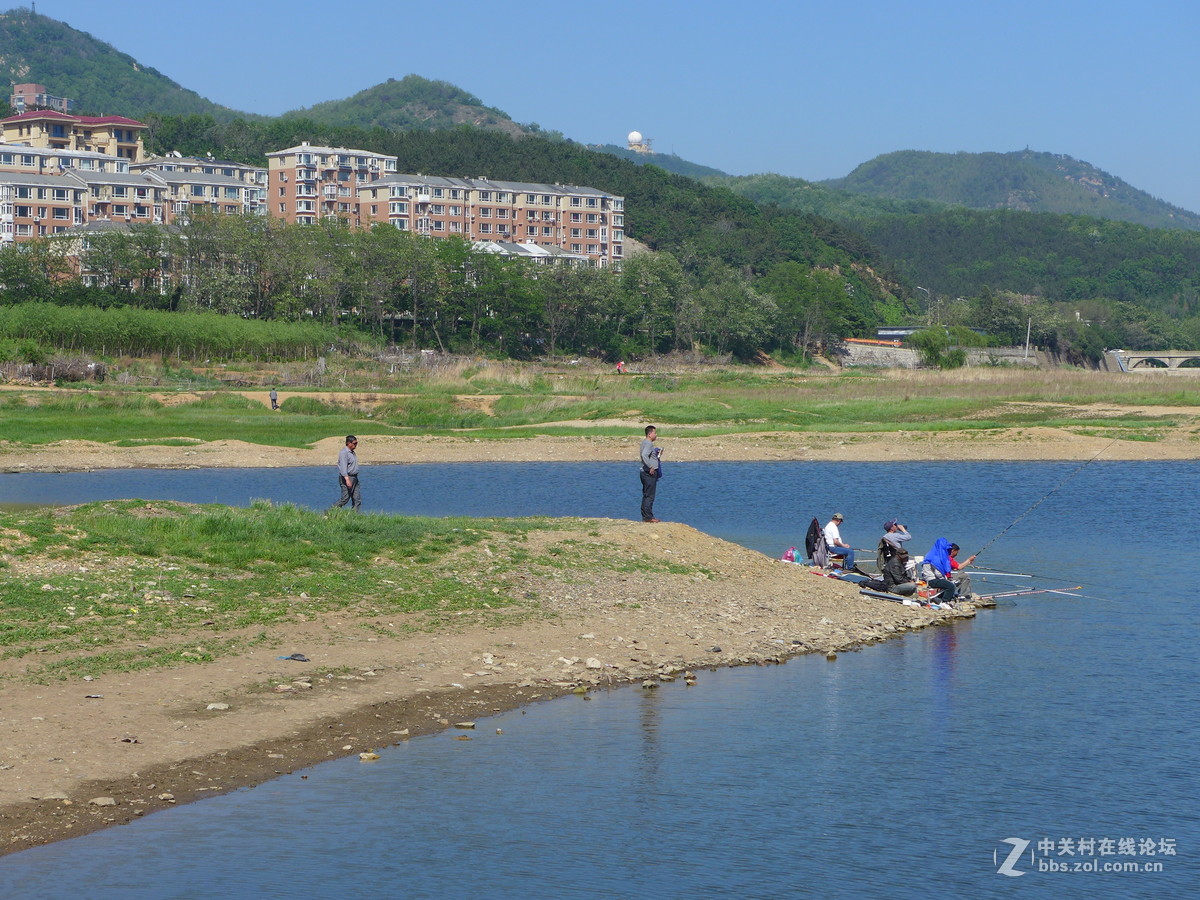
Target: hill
(412,103)
(101,79)
(668,161)
(1022,180)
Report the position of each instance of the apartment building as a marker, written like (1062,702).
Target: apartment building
(112,135)
(307,183)
(33,206)
(36,96)
(578,220)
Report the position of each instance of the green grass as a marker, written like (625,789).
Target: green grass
(527,402)
(131,584)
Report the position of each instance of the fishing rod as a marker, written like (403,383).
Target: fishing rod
(1046,497)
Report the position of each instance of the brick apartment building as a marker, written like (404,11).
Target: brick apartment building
(56,172)
(27,97)
(307,183)
(578,220)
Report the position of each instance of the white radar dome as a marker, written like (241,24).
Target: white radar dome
(635,137)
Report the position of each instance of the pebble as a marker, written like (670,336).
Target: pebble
(217,706)
(167,797)
(369,756)
(464,724)
(102,801)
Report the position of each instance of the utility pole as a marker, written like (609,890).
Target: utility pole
(1028,329)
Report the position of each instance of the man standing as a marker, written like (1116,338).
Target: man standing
(348,475)
(274,399)
(651,471)
(833,540)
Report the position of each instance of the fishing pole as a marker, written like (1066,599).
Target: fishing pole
(1046,497)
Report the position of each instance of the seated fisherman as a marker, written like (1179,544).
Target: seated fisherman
(834,542)
(961,580)
(895,574)
(936,569)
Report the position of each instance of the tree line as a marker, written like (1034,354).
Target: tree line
(439,293)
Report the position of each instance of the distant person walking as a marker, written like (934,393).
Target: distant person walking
(621,367)
(651,472)
(347,466)
(274,399)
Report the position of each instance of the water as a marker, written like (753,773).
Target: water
(896,771)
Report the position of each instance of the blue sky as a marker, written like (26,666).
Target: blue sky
(802,88)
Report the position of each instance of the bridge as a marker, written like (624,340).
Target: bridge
(1156,360)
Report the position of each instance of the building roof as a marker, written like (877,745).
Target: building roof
(308,148)
(67,117)
(487,184)
(139,179)
(69,180)
(528,251)
(199,178)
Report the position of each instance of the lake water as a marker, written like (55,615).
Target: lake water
(897,771)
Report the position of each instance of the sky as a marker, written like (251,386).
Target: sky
(807,89)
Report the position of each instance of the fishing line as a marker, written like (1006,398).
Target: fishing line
(1046,497)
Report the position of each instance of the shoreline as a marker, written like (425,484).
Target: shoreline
(151,739)
(1025,444)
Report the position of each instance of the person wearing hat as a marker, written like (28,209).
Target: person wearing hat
(894,537)
(895,534)
(347,466)
(833,540)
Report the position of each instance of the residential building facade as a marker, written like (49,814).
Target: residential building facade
(113,135)
(27,97)
(578,220)
(306,184)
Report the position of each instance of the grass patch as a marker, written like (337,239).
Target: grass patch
(123,585)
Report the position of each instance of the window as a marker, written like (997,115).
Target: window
(399,192)
(60,213)
(485,228)
(485,212)
(591,248)
(456,194)
(532,229)
(456,210)
(575,232)
(438,192)
(546,230)
(231,193)
(618,220)
(198,190)
(502,213)
(60,194)
(402,224)
(575,248)
(591,232)
(485,195)
(591,217)
(575,201)
(119,209)
(546,199)
(591,202)
(502,229)
(437,209)
(398,207)
(576,217)
(439,225)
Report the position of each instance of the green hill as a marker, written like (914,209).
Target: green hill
(97,76)
(412,103)
(1022,180)
(668,161)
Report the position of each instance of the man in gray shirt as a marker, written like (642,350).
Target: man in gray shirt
(348,475)
(651,471)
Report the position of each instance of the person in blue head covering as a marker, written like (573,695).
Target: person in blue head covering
(936,569)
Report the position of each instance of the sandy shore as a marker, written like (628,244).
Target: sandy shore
(82,755)
(1018,444)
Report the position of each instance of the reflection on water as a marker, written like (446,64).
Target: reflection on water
(894,771)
